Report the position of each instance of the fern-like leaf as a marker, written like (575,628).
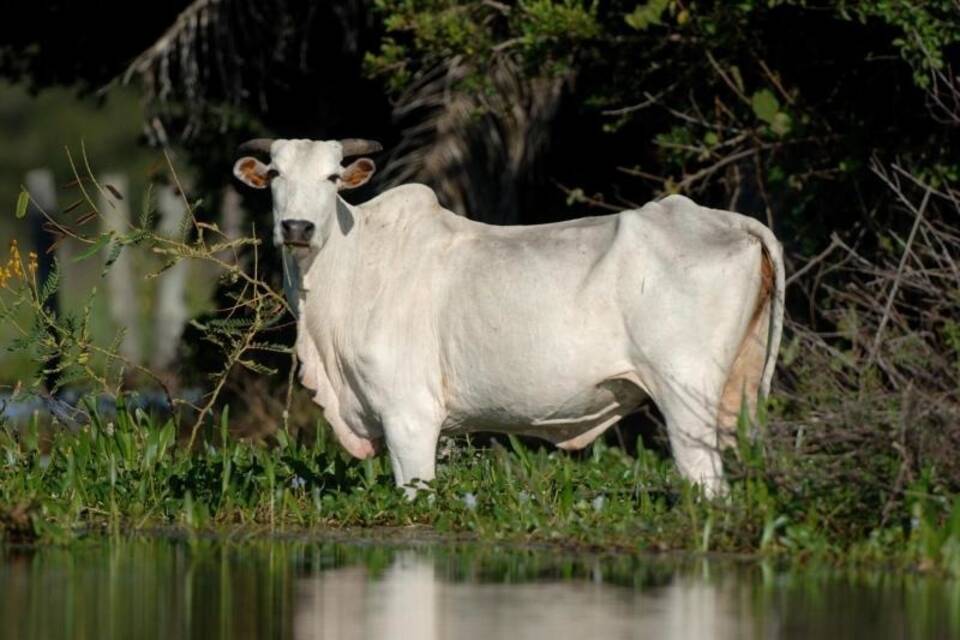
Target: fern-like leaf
(52,284)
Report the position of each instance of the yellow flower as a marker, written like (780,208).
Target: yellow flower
(14,266)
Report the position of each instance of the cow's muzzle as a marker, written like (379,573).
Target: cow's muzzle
(297,233)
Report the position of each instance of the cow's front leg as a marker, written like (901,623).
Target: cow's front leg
(412,443)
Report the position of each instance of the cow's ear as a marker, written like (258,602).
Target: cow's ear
(253,173)
(357,174)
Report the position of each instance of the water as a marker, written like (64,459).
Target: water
(163,588)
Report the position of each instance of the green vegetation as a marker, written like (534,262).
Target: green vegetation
(63,350)
(36,130)
(778,107)
(128,474)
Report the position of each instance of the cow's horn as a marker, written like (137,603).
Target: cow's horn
(261,145)
(358,146)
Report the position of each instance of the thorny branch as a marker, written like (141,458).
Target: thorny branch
(236,330)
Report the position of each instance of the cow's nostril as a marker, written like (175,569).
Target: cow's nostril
(297,231)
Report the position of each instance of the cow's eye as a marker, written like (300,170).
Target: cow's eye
(333,177)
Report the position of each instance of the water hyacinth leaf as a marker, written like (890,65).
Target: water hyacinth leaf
(94,248)
(22,201)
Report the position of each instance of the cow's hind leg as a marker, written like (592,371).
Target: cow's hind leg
(745,379)
(412,443)
(690,410)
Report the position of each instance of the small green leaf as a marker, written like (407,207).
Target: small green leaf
(781,124)
(646,14)
(765,105)
(737,77)
(22,201)
(93,250)
(115,249)
(575,196)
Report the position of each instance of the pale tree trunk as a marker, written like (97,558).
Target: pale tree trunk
(122,299)
(42,188)
(40,183)
(231,214)
(170,315)
(232,219)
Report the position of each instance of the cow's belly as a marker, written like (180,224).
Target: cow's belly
(561,411)
(554,362)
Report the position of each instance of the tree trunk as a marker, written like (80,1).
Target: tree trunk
(122,299)
(170,309)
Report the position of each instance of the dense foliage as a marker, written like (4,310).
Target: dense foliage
(774,108)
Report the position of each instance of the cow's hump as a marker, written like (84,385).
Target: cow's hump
(405,198)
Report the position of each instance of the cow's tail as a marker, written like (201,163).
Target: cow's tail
(752,371)
(773,254)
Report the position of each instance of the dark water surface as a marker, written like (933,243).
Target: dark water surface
(163,588)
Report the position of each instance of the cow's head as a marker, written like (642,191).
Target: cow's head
(305,176)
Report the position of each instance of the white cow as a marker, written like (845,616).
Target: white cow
(414,320)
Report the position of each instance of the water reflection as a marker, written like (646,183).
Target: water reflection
(295,589)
